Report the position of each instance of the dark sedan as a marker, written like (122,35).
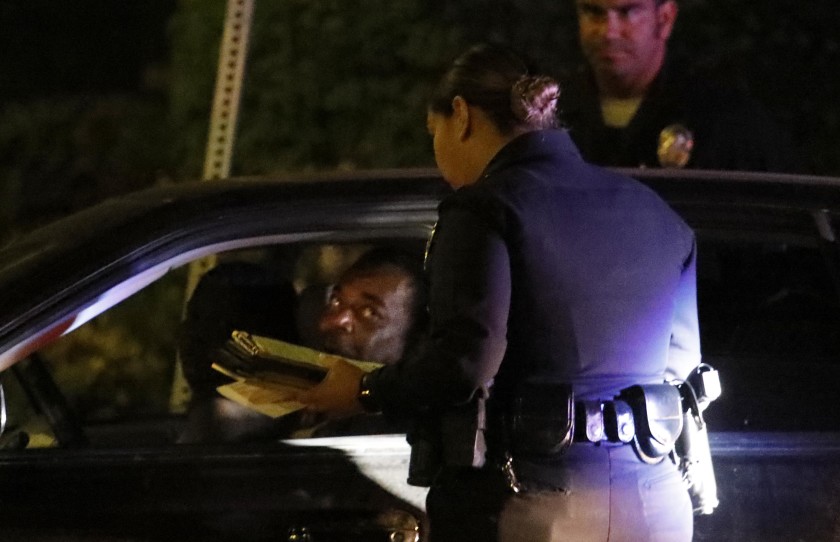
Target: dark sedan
(91,307)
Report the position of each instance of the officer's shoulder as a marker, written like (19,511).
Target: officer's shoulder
(629,185)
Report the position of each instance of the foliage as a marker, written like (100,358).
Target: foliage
(195,32)
(329,84)
(60,155)
(543,31)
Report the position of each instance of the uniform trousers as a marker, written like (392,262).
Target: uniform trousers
(595,493)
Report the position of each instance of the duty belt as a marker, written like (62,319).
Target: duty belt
(546,418)
(649,416)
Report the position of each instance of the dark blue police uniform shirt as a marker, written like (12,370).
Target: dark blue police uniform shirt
(550,268)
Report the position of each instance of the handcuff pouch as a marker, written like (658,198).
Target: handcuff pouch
(657,411)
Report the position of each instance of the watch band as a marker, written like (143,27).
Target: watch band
(365,397)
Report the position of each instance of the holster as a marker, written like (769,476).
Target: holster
(657,411)
(692,447)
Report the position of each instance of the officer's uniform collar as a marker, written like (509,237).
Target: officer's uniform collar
(533,146)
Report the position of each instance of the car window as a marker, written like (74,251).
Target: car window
(116,376)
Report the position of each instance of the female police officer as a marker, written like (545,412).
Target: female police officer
(554,284)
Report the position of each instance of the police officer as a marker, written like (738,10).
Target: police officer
(625,105)
(555,285)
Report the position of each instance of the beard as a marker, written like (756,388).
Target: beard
(340,345)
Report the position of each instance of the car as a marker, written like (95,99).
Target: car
(92,406)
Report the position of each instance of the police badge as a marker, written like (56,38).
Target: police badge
(675,145)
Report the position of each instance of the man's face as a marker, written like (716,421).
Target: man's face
(625,40)
(368,316)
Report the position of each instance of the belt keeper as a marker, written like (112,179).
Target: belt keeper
(619,423)
(592,420)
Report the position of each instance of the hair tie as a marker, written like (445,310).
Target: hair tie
(533,101)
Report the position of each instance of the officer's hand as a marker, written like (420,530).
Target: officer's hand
(337,395)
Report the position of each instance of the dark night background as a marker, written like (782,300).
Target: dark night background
(82,103)
(92,46)
(101,97)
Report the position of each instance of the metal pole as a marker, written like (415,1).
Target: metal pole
(220,139)
(229,77)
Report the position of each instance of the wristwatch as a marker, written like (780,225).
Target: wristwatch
(365,397)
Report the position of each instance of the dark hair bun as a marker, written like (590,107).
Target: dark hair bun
(533,100)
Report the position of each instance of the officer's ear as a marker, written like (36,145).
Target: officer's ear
(666,16)
(462,117)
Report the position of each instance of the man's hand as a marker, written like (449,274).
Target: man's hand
(337,395)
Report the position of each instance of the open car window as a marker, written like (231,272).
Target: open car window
(116,380)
